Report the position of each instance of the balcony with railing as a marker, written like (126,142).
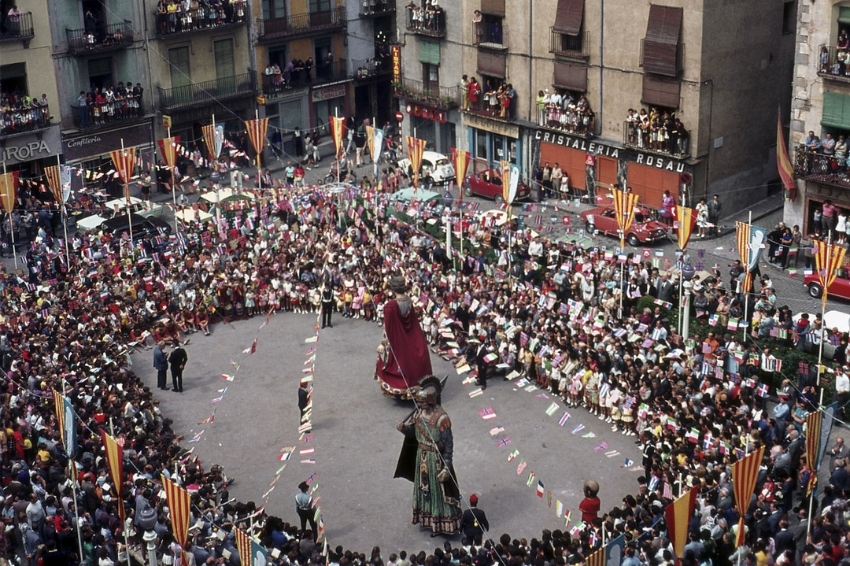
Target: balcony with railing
(297,78)
(490,35)
(301,25)
(197,94)
(827,169)
(441,97)
(377,8)
(100,39)
(20,30)
(21,120)
(673,145)
(569,46)
(833,63)
(371,69)
(430,22)
(105,115)
(195,21)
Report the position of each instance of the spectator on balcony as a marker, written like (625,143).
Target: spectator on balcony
(277,77)
(813,143)
(464,93)
(824,60)
(307,68)
(841,154)
(13,21)
(511,94)
(287,73)
(843,43)
(541,108)
(477,26)
(137,99)
(643,128)
(681,137)
(474,93)
(162,16)
(239,10)
(410,8)
(83,109)
(269,76)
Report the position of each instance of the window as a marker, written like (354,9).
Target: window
(661,50)
(491,29)
(570,76)
(320,6)
(100,72)
(274,9)
(178,59)
(429,52)
(278,55)
(659,91)
(836,110)
(223,58)
(431,77)
(13,78)
(789,17)
(492,64)
(481,145)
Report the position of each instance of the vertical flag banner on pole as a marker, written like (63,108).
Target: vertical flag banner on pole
(124,162)
(54,181)
(460,160)
(597,558)
(375,139)
(67,423)
(750,240)
(213,139)
(783,161)
(115,459)
(678,515)
(337,133)
(813,432)
(257,129)
(243,545)
(687,219)
(744,475)
(9,190)
(510,182)
(415,149)
(828,260)
(624,207)
(168,149)
(179,506)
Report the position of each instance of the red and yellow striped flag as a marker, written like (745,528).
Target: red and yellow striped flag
(243,545)
(460,159)
(209,140)
(115,459)
(9,190)
(687,218)
(59,406)
(257,133)
(677,516)
(337,133)
(743,242)
(415,149)
(624,209)
(828,260)
(783,161)
(178,505)
(596,558)
(168,149)
(744,475)
(54,181)
(813,432)
(124,162)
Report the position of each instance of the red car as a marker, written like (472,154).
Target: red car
(488,184)
(840,288)
(643,229)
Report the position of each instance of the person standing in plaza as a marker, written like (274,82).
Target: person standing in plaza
(474,523)
(177,359)
(327,305)
(304,507)
(827,219)
(303,398)
(714,211)
(160,364)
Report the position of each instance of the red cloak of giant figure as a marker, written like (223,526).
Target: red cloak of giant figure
(407,357)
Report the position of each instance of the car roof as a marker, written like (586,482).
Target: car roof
(433,155)
(121,221)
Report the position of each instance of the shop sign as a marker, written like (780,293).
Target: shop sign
(32,146)
(492,126)
(395,50)
(98,143)
(329,92)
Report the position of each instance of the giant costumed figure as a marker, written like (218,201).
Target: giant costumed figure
(403,357)
(426,460)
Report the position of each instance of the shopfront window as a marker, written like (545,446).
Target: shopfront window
(481,145)
(325,108)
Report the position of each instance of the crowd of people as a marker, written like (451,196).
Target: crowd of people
(428,16)
(175,16)
(101,106)
(657,130)
(22,113)
(550,315)
(562,111)
(494,98)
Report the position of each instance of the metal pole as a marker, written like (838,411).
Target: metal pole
(259,161)
(815,465)
(150,538)
(11,224)
(173,189)
(127,193)
(746,293)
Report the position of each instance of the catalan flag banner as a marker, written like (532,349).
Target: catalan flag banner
(59,407)
(813,434)
(168,149)
(66,419)
(257,134)
(124,162)
(687,219)
(624,208)
(213,139)
(597,558)
(415,150)
(828,260)
(115,459)
(179,506)
(744,475)
(9,190)
(677,515)
(460,159)
(250,552)
(54,181)
(337,133)
(750,240)
(783,161)
(510,182)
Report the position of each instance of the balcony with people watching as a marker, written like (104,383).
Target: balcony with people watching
(95,37)
(17,26)
(20,113)
(376,8)
(371,69)
(300,74)
(656,131)
(823,160)
(565,111)
(102,107)
(427,18)
(301,25)
(172,17)
(440,97)
(488,31)
(207,92)
(495,98)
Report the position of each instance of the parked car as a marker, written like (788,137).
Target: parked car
(642,231)
(436,169)
(143,227)
(409,194)
(142,208)
(839,289)
(488,184)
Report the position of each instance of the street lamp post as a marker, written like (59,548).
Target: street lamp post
(147,522)
(686,274)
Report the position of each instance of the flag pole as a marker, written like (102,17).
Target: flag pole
(173,189)
(62,212)
(125,174)
(259,161)
(814,465)
(372,152)
(746,274)
(11,221)
(73,464)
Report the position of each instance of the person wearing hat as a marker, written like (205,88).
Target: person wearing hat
(160,364)
(177,359)
(474,523)
(304,507)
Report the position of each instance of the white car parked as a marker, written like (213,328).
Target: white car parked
(436,169)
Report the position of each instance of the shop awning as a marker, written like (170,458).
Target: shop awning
(568,16)
(836,110)
(658,91)
(429,52)
(492,64)
(661,44)
(493,7)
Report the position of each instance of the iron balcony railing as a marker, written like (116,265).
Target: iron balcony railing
(18,30)
(207,91)
(100,38)
(24,120)
(634,137)
(570,46)
(376,8)
(827,169)
(430,22)
(300,78)
(833,63)
(443,97)
(98,116)
(201,19)
(371,68)
(301,24)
